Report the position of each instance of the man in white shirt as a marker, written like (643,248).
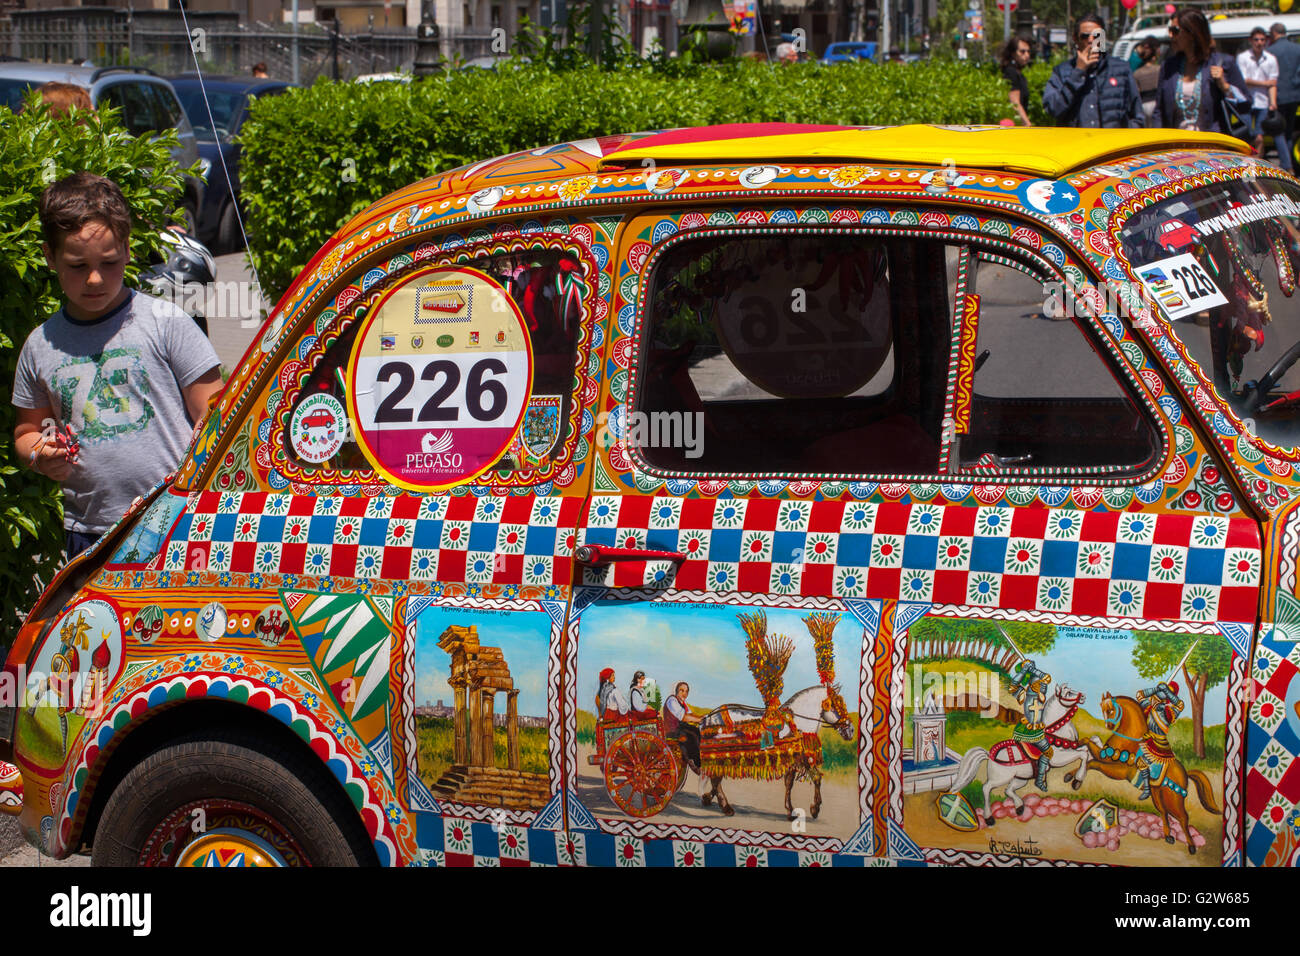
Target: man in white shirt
(683,725)
(1259,67)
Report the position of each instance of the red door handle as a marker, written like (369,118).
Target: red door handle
(602,554)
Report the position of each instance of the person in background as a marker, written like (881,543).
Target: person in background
(1287,55)
(1147,74)
(1195,79)
(259,71)
(1259,70)
(1015,57)
(786,53)
(1094,89)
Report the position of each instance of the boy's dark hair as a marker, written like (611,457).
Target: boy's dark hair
(74,201)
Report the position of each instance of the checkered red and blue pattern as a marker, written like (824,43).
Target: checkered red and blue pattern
(1272,746)
(449,841)
(1115,564)
(501,540)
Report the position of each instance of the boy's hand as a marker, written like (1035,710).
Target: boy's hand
(55,459)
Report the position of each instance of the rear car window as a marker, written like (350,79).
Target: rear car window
(1043,396)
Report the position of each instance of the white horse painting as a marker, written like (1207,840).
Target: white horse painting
(1058,715)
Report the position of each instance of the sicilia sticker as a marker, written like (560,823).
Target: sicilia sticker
(430,421)
(317,428)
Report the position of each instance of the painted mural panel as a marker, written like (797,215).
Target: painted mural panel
(1042,741)
(482,706)
(719,714)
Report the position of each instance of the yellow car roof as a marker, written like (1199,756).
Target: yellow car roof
(1038,151)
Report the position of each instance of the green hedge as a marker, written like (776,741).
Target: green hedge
(312,158)
(36,149)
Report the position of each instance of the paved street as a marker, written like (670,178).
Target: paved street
(14,850)
(232,325)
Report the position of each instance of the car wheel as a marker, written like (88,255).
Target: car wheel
(228,800)
(228,237)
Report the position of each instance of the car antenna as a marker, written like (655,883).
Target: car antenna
(221,158)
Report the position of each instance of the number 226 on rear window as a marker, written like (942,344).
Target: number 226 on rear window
(439,379)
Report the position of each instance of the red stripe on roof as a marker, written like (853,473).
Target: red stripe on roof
(704,134)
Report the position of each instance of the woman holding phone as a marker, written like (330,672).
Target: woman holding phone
(1197,84)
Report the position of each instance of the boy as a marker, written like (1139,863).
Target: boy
(104,386)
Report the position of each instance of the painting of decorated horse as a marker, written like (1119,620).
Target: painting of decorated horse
(738,742)
(777,741)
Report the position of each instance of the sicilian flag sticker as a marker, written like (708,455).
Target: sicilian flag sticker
(429,421)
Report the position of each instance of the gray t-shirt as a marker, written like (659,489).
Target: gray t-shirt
(117,381)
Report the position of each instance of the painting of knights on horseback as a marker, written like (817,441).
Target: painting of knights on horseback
(1132,744)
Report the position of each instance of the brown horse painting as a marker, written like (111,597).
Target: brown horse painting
(1117,757)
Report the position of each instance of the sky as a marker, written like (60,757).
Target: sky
(704,645)
(523,637)
(1105,663)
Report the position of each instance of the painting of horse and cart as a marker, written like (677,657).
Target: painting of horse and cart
(738,720)
(1076,743)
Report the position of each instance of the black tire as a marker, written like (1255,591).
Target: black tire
(290,796)
(228,237)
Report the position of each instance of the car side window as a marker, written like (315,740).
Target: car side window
(137,106)
(821,353)
(1043,395)
(168,110)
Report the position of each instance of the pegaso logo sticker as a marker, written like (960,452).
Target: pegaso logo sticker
(1053,197)
(318,427)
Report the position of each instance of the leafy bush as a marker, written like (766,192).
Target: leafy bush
(315,157)
(1036,75)
(36,149)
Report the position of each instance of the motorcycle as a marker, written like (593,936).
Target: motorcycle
(184,277)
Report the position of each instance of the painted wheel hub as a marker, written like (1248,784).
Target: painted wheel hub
(229,847)
(220,833)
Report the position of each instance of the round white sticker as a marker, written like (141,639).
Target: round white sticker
(318,428)
(440,378)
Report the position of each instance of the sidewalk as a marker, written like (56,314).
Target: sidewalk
(232,325)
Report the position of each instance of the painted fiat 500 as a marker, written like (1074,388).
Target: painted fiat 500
(752,495)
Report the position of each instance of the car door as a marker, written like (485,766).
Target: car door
(411,479)
(813,471)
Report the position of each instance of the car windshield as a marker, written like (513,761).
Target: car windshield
(1221,262)
(226,109)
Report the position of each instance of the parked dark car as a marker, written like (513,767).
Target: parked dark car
(217,124)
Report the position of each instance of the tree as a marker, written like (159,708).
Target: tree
(1156,653)
(1031,638)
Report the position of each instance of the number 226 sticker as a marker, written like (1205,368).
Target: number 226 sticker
(440,378)
(1181,285)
